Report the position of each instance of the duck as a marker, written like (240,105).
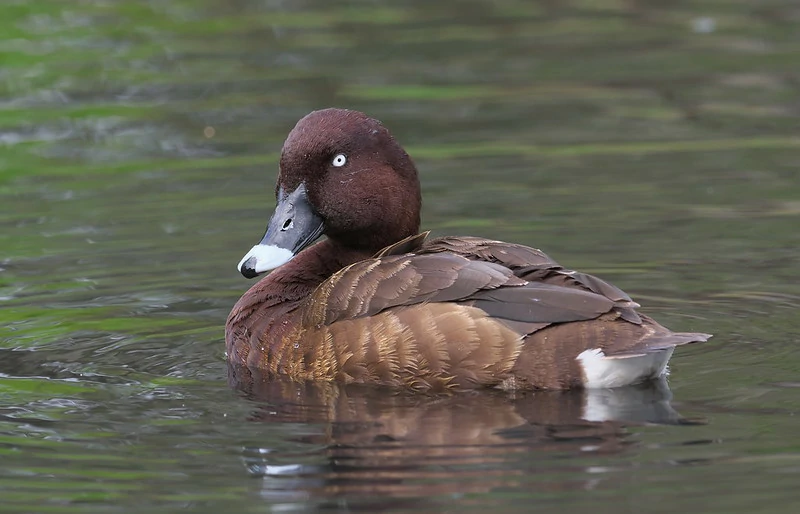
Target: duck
(378,302)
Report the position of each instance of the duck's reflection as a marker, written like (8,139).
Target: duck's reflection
(371,444)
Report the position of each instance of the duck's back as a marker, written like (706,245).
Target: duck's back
(466,312)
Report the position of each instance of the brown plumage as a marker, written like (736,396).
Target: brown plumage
(429,314)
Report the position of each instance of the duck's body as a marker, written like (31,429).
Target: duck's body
(447,313)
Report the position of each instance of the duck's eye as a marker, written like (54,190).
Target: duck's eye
(339,160)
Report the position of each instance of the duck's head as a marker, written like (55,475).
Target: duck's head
(342,174)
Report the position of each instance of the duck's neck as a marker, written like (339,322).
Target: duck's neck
(262,309)
(300,276)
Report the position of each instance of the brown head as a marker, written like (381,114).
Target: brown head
(342,174)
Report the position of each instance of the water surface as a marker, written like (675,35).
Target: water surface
(656,147)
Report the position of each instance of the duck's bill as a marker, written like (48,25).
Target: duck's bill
(293,226)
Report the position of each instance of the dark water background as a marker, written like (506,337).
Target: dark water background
(655,146)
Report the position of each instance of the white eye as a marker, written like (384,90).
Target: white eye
(339,160)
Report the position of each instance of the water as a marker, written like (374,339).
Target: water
(656,147)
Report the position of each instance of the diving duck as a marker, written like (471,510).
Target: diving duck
(378,302)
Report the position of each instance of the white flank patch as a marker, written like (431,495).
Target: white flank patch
(267,257)
(604,372)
